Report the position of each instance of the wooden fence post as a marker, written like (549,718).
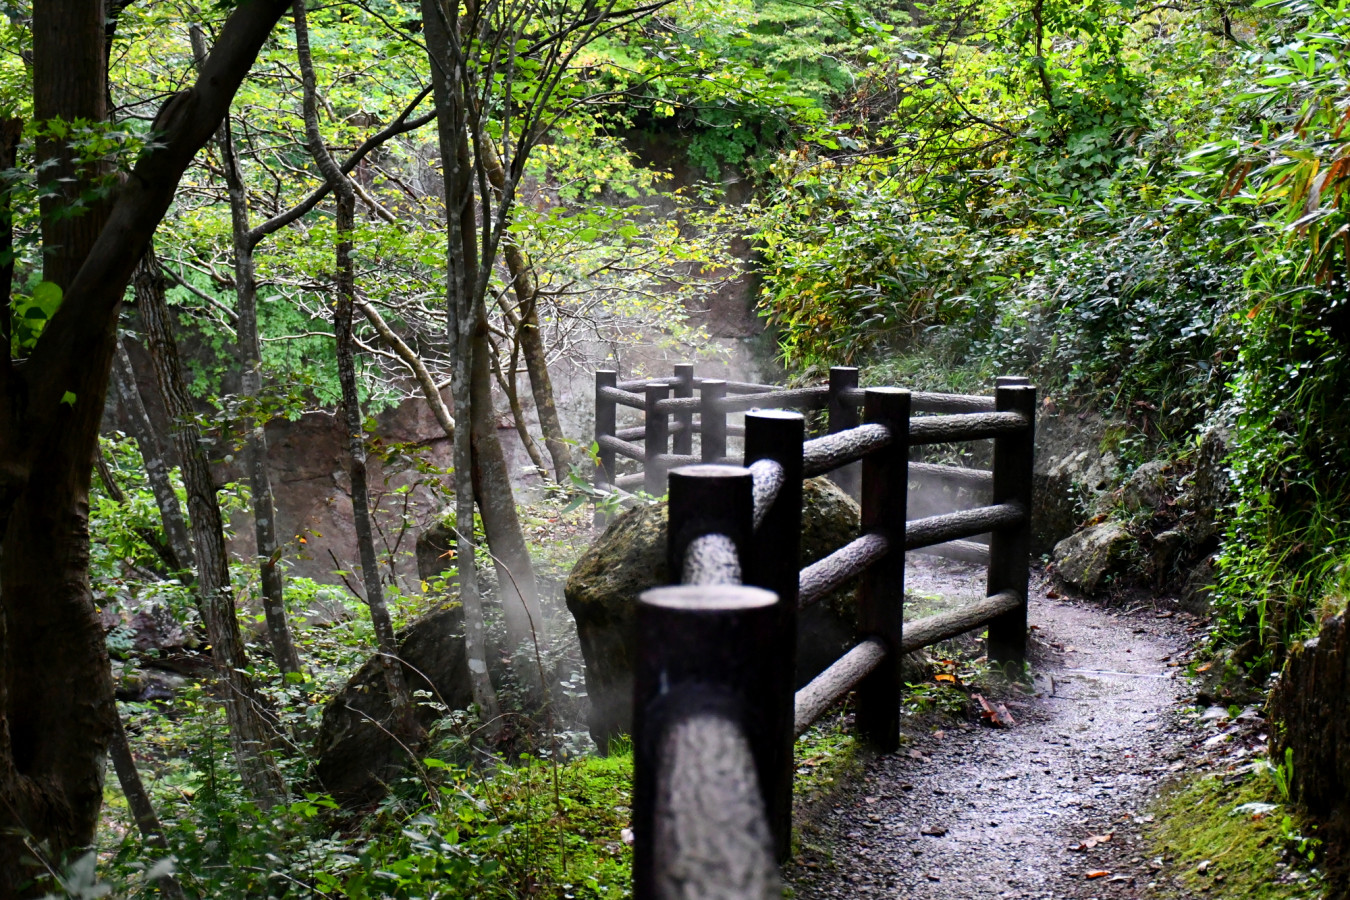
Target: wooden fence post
(708,499)
(656,434)
(700,653)
(606,423)
(774,563)
(843,416)
(684,387)
(712,420)
(1010,548)
(881,597)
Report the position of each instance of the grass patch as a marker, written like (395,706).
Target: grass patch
(1253,857)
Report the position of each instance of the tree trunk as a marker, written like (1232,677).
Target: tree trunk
(69,82)
(138,802)
(508,386)
(450,114)
(343,309)
(250,734)
(152,455)
(526,322)
(250,360)
(56,700)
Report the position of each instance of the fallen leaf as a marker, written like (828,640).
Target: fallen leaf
(944,677)
(1098,873)
(1052,595)
(916,754)
(996,715)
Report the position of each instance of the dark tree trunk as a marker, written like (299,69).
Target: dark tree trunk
(250,734)
(56,700)
(70,81)
(343,310)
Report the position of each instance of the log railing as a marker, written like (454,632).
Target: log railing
(715,713)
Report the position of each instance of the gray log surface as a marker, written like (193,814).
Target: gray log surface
(823,576)
(711,835)
(961,524)
(824,454)
(964,427)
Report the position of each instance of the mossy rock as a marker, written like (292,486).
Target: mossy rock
(630,557)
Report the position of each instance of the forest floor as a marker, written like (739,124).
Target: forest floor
(1056,806)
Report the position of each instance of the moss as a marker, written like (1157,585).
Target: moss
(1249,857)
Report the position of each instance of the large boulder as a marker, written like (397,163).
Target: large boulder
(358,754)
(1083,560)
(630,557)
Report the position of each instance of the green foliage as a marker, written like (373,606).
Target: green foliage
(1243,830)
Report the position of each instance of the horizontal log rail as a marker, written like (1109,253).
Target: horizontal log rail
(825,454)
(848,562)
(825,690)
(973,479)
(623,398)
(623,448)
(715,715)
(965,427)
(960,551)
(964,523)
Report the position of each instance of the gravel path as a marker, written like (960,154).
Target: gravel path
(974,812)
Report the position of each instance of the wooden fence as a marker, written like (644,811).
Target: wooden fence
(715,714)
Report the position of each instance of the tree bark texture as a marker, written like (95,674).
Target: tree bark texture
(152,457)
(55,729)
(250,733)
(450,123)
(11,130)
(69,82)
(343,310)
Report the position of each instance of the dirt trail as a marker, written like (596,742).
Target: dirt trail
(973,812)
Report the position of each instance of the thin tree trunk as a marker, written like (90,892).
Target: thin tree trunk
(508,386)
(268,554)
(11,130)
(138,801)
(526,288)
(343,309)
(152,455)
(450,115)
(250,734)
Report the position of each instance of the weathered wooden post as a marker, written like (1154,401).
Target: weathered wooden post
(774,563)
(684,419)
(842,416)
(881,597)
(1010,547)
(656,439)
(606,424)
(700,689)
(712,420)
(708,499)
(1011,381)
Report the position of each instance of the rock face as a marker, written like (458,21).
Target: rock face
(630,557)
(358,757)
(1310,704)
(1083,560)
(1070,472)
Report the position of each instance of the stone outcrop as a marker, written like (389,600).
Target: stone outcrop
(357,755)
(1083,560)
(1310,704)
(630,557)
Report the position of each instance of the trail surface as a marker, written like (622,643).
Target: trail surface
(974,812)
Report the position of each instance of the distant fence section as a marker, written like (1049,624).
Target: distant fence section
(715,712)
